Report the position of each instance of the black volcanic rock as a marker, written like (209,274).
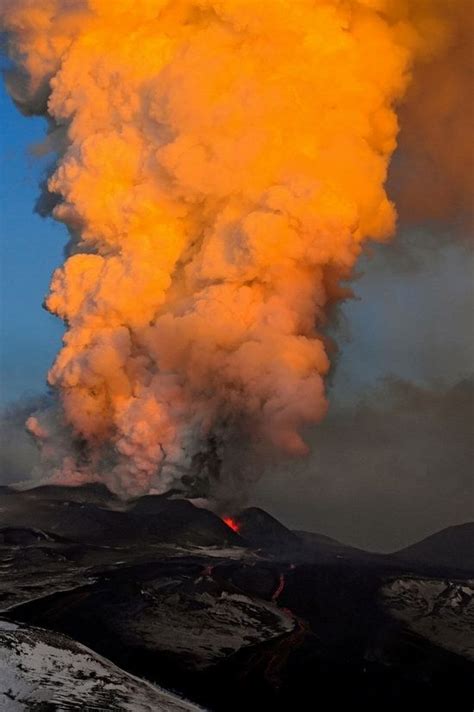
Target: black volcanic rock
(92,492)
(324,548)
(257,619)
(452,547)
(179,521)
(74,514)
(23,536)
(176,609)
(263,531)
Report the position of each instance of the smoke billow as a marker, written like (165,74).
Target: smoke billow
(431,176)
(18,453)
(220,165)
(385,471)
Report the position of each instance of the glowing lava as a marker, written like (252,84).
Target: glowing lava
(231,523)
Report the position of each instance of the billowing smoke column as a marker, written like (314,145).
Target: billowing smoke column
(220,164)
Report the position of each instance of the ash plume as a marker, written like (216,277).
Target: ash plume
(220,166)
(384,471)
(431,176)
(18,454)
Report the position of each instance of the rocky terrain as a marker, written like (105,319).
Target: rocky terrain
(44,670)
(104,605)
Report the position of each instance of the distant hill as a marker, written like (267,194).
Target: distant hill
(326,547)
(452,547)
(89,492)
(91,515)
(262,530)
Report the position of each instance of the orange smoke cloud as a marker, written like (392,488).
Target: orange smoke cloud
(224,164)
(433,178)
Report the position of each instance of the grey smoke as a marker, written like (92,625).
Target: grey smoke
(18,453)
(383,472)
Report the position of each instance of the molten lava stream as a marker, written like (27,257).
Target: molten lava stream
(231,523)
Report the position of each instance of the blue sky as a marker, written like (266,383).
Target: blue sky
(30,248)
(409,323)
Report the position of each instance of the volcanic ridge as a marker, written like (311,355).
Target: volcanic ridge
(160,595)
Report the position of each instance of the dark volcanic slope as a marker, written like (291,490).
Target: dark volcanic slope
(257,619)
(453,547)
(43,670)
(77,514)
(93,493)
(326,548)
(261,530)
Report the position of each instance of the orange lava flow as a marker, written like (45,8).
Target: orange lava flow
(231,523)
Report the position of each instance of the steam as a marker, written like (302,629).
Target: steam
(220,166)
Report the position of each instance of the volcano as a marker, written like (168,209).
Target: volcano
(453,546)
(157,589)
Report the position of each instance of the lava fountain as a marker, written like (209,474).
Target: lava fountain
(232,523)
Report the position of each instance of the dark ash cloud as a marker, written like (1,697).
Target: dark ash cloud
(385,472)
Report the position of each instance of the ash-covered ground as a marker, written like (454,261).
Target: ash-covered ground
(159,605)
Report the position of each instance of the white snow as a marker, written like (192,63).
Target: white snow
(37,666)
(440,610)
